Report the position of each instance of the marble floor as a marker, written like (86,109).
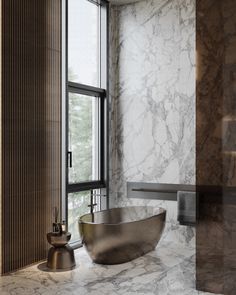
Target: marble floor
(170,269)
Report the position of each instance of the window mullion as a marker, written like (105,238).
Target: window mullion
(85,89)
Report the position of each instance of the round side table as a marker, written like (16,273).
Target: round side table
(60,255)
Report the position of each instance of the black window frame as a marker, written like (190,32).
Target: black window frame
(102,95)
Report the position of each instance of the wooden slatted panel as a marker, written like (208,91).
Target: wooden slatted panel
(31,133)
(0,138)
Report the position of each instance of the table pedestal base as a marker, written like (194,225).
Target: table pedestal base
(61,258)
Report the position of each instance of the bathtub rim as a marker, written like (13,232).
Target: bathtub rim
(162,212)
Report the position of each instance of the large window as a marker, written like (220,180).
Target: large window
(86,105)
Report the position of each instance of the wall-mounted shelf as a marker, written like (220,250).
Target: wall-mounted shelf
(156,191)
(168,192)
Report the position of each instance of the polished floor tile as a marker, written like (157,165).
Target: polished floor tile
(170,269)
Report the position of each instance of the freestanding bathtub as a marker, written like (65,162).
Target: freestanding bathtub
(121,234)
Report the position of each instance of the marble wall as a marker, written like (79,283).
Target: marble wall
(209,105)
(216,111)
(152,88)
(229,139)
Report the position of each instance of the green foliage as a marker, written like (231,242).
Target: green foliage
(80,143)
(80,137)
(77,206)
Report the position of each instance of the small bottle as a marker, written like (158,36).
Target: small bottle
(63,226)
(54,227)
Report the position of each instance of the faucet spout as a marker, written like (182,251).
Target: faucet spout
(92,204)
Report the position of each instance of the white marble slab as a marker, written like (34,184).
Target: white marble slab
(152,94)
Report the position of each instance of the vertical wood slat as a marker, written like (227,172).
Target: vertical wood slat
(0,137)
(31,124)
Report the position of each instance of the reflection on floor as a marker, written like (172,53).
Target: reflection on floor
(170,269)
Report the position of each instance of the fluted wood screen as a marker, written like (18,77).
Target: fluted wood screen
(31,127)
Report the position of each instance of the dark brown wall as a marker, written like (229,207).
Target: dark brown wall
(209,157)
(229,146)
(216,145)
(31,127)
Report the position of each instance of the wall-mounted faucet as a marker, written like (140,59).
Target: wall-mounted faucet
(92,204)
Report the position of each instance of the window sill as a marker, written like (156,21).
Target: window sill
(76,245)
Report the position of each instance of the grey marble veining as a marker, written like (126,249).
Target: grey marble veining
(170,269)
(152,111)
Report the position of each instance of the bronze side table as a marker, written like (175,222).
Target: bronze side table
(60,255)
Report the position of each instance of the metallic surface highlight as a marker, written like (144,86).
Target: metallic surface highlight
(120,235)
(61,255)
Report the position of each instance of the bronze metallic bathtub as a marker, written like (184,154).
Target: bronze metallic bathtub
(121,234)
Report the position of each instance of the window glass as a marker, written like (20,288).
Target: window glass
(83,138)
(77,206)
(83,42)
(87,66)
